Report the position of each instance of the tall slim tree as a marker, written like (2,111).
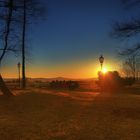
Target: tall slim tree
(21,13)
(6,15)
(8,21)
(30,10)
(23,42)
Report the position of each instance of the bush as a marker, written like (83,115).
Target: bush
(71,85)
(110,81)
(129,81)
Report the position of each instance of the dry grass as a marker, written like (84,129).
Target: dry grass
(38,116)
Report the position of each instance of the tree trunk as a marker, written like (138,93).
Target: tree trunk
(23,47)
(4,88)
(7,32)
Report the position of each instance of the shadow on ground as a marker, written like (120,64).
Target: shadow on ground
(34,116)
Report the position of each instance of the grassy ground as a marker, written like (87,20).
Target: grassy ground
(34,115)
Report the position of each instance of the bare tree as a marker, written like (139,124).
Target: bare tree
(129,29)
(29,11)
(23,42)
(131,63)
(13,13)
(6,16)
(7,34)
(125,70)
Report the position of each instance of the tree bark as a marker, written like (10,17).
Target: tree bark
(5,90)
(7,32)
(23,46)
(3,86)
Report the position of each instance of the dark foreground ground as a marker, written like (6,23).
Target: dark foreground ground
(35,115)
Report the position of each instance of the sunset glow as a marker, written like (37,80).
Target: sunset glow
(104,70)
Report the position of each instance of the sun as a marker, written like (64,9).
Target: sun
(104,70)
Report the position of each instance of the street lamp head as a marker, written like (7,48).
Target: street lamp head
(101,59)
(19,64)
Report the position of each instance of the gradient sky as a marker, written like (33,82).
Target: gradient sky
(68,42)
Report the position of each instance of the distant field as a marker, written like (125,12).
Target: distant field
(89,84)
(36,115)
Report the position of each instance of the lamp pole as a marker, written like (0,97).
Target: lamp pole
(19,66)
(101,60)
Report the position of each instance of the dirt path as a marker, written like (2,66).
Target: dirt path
(75,95)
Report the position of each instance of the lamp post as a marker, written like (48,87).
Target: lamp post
(101,60)
(19,66)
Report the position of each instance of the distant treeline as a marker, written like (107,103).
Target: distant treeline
(71,85)
(113,81)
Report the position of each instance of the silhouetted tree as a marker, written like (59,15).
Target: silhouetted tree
(6,15)
(131,63)
(128,29)
(29,11)
(111,81)
(125,30)
(71,85)
(13,13)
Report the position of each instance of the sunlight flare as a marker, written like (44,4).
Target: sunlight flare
(104,70)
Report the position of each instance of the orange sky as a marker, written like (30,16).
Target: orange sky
(75,70)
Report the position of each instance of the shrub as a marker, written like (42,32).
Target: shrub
(71,85)
(110,81)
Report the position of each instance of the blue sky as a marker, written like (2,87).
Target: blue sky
(71,38)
